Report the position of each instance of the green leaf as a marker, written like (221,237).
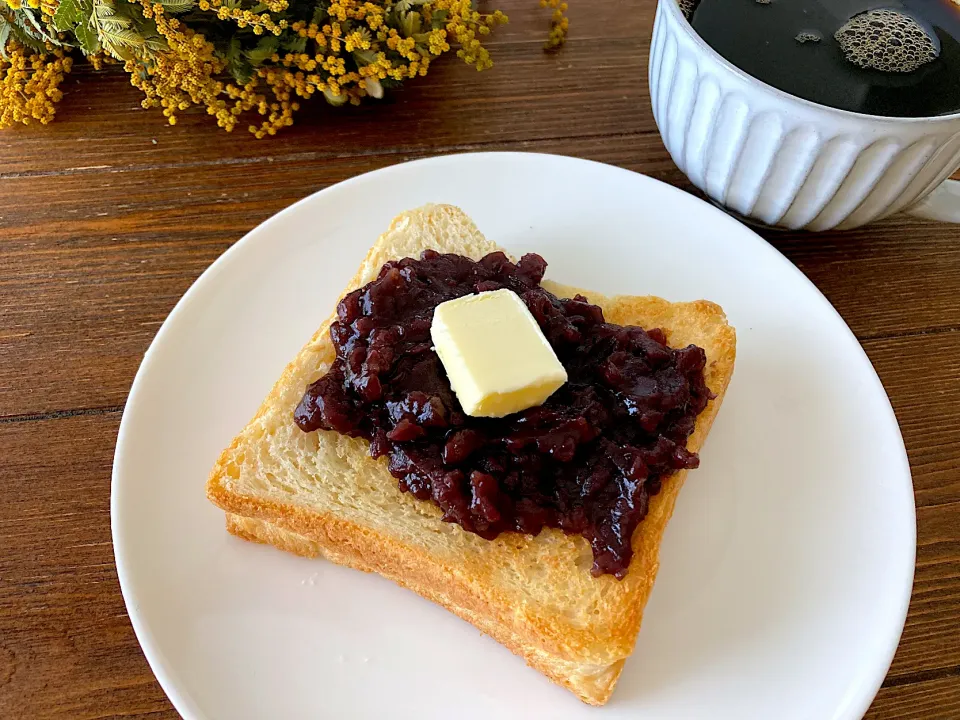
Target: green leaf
(68,14)
(88,39)
(21,29)
(105,17)
(178,6)
(24,38)
(116,31)
(259,8)
(232,52)
(364,57)
(121,38)
(404,6)
(38,30)
(78,17)
(4,36)
(241,71)
(237,65)
(319,15)
(295,44)
(155,43)
(410,23)
(264,49)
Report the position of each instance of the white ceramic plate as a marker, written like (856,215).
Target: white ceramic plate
(785,573)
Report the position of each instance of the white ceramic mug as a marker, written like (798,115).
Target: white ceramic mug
(780,160)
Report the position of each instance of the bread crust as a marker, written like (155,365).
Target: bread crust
(588,686)
(582,646)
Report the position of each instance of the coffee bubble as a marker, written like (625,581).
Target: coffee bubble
(799,47)
(888,41)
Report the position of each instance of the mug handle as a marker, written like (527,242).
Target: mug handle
(942,204)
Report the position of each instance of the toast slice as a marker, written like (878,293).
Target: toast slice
(320,494)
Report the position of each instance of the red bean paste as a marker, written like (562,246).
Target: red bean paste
(587,461)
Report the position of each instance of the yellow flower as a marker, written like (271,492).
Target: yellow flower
(29,94)
(559,23)
(345,57)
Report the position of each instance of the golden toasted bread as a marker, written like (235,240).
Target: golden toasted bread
(320,494)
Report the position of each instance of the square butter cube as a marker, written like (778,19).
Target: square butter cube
(495,354)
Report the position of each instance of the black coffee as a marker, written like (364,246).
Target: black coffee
(897,58)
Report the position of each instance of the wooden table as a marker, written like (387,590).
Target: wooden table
(108,216)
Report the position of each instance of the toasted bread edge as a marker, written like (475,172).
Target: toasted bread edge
(594,689)
(309,533)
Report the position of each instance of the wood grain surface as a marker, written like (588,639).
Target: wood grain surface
(108,215)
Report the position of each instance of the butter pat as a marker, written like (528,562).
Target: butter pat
(496,357)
